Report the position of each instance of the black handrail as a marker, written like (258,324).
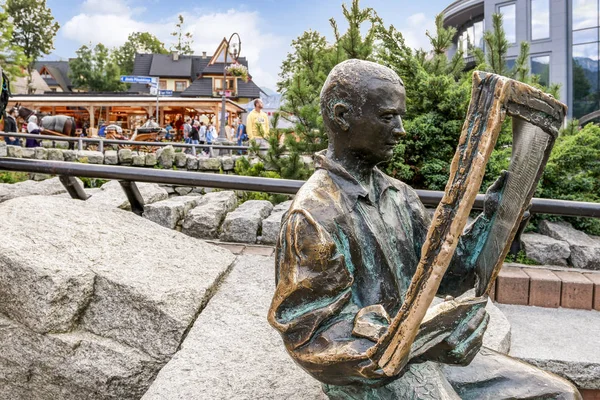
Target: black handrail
(248,183)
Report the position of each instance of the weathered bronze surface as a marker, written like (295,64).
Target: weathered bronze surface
(359,262)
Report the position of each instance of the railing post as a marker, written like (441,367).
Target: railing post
(73,187)
(101,145)
(210,151)
(134,196)
(80,145)
(193,150)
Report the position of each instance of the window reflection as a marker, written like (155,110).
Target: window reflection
(510,63)
(471,36)
(540,19)
(585,79)
(509,22)
(585,36)
(540,66)
(585,14)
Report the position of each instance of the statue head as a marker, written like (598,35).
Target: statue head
(362,104)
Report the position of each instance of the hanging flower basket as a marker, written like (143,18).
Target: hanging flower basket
(238,70)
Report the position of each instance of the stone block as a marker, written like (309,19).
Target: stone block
(47,144)
(209,164)
(243,224)
(205,220)
(150,160)
(180,160)
(585,250)
(70,155)
(138,159)
(192,162)
(166,157)
(56,155)
(512,286)
(111,157)
(234,248)
(545,250)
(169,213)
(227,163)
(90,157)
(41,153)
(125,157)
(3,150)
(577,290)
(595,278)
(266,251)
(182,190)
(14,151)
(61,145)
(544,288)
(112,195)
(586,255)
(272,224)
(28,152)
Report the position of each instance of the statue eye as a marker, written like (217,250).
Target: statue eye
(388,117)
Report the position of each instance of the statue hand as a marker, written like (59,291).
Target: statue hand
(464,342)
(493,195)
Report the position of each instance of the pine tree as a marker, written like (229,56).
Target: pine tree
(184,40)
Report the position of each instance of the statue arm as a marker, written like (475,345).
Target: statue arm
(313,308)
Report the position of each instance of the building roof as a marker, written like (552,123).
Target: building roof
(59,71)
(165,65)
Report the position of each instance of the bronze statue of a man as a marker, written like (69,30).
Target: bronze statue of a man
(348,249)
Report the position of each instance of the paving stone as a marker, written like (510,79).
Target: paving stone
(205,220)
(544,288)
(242,224)
(234,248)
(512,286)
(545,250)
(595,278)
(266,251)
(577,290)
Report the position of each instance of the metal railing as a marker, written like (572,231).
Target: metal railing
(101,142)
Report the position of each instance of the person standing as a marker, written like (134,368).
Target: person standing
(241,135)
(33,128)
(187,129)
(257,117)
(10,126)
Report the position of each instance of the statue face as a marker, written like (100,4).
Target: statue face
(375,133)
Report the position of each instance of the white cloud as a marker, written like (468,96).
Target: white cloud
(111,21)
(414,31)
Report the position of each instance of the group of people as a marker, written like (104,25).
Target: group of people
(11,126)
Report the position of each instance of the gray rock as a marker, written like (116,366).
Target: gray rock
(56,155)
(242,225)
(125,157)
(560,340)
(112,195)
(227,163)
(545,250)
(47,144)
(28,152)
(180,160)
(585,250)
(138,159)
(111,157)
(272,224)
(61,145)
(70,155)
(204,220)
(3,151)
(192,162)
(240,356)
(41,153)
(90,157)
(169,188)
(14,151)
(48,187)
(169,213)
(166,157)
(182,190)
(144,286)
(209,164)
(150,160)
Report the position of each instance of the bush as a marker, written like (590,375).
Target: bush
(13,177)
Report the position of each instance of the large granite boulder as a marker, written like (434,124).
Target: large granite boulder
(113,195)
(272,224)
(243,224)
(545,250)
(204,220)
(585,250)
(47,187)
(95,300)
(169,213)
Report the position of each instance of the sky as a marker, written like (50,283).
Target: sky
(266,27)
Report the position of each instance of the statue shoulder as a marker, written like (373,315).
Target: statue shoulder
(317,197)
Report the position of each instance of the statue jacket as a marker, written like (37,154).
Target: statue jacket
(343,247)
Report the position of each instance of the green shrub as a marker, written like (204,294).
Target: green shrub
(13,177)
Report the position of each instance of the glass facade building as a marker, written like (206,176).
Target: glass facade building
(564,38)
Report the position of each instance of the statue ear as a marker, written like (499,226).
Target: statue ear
(340,115)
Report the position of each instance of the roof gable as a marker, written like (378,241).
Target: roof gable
(219,56)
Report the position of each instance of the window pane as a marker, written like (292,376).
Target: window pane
(585,14)
(540,19)
(478,34)
(540,66)
(509,22)
(218,83)
(510,63)
(585,36)
(585,79)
